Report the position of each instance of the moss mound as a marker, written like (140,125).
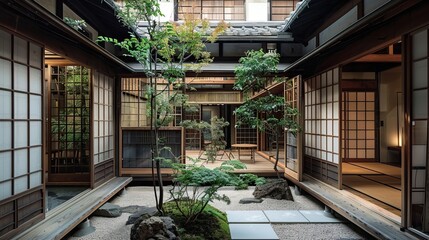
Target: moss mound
(212,224)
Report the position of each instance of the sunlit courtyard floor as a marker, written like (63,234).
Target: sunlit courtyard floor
(115,228)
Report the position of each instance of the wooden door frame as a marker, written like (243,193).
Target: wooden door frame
(300,135)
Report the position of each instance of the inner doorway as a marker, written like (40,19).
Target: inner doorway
(372,123)
(68,129)
(220,111)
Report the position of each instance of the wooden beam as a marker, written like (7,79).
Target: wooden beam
(60,62)
(210,82)
(380,58)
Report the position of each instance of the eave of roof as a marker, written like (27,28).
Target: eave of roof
(301,6)
(60,25)
(359,24)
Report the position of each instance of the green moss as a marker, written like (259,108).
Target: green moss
(212,224)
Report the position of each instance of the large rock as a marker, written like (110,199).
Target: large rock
(150,211)
(154,228)
(276,189)
(171,228)
(108,210)
(250,200)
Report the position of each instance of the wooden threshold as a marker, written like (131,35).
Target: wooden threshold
(68,215)
(365,215)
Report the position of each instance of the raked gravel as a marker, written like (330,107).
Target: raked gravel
(115,228)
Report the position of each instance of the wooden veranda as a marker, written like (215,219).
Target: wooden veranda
(261,167)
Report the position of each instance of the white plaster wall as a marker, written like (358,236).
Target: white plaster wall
(256,10)
(167,9)
(390,84)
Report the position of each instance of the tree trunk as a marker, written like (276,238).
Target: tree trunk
(277,135)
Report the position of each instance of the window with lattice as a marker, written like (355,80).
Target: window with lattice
(212,9)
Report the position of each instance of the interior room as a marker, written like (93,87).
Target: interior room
(67,105)
(372,128)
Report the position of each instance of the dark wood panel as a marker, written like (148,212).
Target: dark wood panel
(7,221)
(69,178)
(103,172)
(355,85)
(322,170)
(29,206)
(17,213)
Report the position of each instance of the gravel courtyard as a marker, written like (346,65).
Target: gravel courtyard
(115,228)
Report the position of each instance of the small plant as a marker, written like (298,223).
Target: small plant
(248,179)
(78,25)
(215,130)
(195,186)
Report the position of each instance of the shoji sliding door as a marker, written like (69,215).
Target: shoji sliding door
(21,121)
(418,139)
(293,141)
(322,127)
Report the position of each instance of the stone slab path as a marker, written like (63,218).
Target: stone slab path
(254,225)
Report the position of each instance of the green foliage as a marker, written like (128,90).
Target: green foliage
(268,113)
(165,51)
(276,114)
(212,224)
(254,69)
(248,179)
(195,186)
(213,133)
(71,127)
(77,25)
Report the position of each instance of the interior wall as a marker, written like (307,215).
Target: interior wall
(390,103)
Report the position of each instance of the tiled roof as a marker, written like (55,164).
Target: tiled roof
(240,29)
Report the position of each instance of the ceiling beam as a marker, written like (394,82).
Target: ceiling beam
(380,58)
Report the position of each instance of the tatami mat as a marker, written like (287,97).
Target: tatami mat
(388,180)
(381,168)
(351,169)
(381,192)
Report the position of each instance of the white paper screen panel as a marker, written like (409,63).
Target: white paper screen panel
(20,122)
(322,117)
(358,126)
(103,117)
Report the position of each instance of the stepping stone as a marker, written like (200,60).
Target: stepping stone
(319,216)
(108,210)
(246,217)
(252,231)
(251,200)
(285,216)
